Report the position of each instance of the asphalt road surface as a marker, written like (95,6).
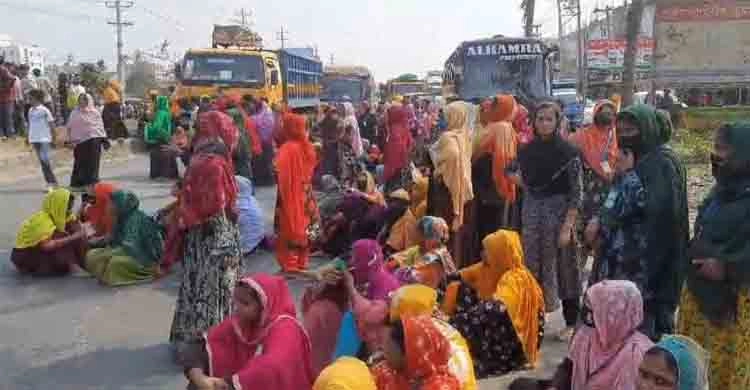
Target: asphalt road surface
(74,334)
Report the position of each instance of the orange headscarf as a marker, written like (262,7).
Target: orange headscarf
(427,353)
(593,142)
(99,214)
(500,141)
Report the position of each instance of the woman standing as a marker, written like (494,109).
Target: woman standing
(112,113)
(157,134)
(496,205)
(598,145)
(211,257)
(398,146)
(296,210)
(263,163)
(715,305)
(87,134)
(451,188)
(330,131)
(551,174)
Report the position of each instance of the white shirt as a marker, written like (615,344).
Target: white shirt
(39,128)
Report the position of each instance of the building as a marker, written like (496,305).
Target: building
(21,53)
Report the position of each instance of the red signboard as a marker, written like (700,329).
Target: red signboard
(711,11)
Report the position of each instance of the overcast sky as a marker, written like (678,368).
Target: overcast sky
(390,37)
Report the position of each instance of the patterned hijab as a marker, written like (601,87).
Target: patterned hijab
(427,353)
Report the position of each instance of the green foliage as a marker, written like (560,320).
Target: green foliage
(93,76)
(693,147)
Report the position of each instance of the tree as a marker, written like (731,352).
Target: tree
(635,14)
(142,78)
(92,76)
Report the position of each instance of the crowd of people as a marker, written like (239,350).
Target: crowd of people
(454,233)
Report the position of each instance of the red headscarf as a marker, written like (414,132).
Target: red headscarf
(280,338)
(235,101)
(399,144)
(215,124)
(522,126)
(427,354)
(597,143)
(98,214)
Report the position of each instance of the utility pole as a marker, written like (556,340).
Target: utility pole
(608,12)
(537,30)
(331,60)
(282,36)
(528,17)
(635,14)
(119,23)
(560,30)
(574,8)
(244,18)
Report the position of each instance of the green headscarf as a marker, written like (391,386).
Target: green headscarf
(666,221)
(140,236)
(159,131)
(722,229)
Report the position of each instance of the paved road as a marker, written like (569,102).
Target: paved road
(73,334)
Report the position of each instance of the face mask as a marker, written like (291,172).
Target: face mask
(630,142)
(604,119)
(721,169)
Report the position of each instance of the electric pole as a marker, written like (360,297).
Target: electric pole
(528,17)
(635,14)
(608,12)
(574,8)
(119,23)
(330,61)
(560,30)
(282,36)
(244,18)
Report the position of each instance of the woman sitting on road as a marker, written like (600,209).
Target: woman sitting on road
(134,248)
(260,346)
(498,293)
(50,242)
(675,363)
(345,374)
(98,212)
(429,262)
(417,354)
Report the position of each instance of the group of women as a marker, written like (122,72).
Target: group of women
(446,268)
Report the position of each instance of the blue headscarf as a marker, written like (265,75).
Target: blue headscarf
(692,361)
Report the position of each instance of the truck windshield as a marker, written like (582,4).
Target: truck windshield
(241,70)
(336,88)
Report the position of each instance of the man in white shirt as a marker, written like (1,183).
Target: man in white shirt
(41,123)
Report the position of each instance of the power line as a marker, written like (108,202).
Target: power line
(119,23)
(157,15)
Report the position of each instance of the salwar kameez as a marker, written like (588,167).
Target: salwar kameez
(114,267)
(211,266)
(87,159)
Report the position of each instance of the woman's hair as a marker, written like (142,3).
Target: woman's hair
(398,335)
(667,356)
(546,105)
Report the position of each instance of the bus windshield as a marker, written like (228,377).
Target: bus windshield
(337,88)
(232,69)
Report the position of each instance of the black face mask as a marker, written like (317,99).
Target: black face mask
(632,142)
(603,119)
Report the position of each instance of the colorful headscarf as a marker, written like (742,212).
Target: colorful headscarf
(500,140)
(692,361)
(598,144)
(234,347)
(452,155)
(427,353)
(367,261)
(99,214)
(217,125)
(159,131)
(137,233)
(42,225)
(346,373)
(608,355)
(413,300)
(350,119)
(86,123)
(434,228)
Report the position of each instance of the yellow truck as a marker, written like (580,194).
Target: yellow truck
(236,65)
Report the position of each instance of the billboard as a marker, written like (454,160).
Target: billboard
(702,42)
(609,54)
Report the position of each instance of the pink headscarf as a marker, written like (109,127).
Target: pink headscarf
(367,260)
(258,357)
(607,357)
(86,123)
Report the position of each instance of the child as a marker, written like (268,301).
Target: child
(41,123)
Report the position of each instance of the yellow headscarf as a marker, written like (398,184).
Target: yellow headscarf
(345,374)
(453,160)
(42,225)
(413,300)
(418,299)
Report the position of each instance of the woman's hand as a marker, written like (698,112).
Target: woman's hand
(566,235)
(711,269)
(211,383)
(592,232)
